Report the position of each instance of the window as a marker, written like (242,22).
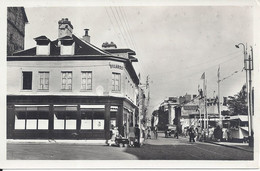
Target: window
(66,80)
(43,49)
(113,113)
(116,81)
(31,117)
(44,81)
(65,117)
(27,80)
(86,80)
(92,117)
(67,49)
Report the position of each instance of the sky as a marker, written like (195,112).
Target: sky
(175,45)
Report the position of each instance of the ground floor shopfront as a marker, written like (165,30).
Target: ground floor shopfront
(68,117)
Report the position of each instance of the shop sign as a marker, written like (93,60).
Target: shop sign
(190,107)
(116,66)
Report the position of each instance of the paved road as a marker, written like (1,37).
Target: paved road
(154,149)
(182,149)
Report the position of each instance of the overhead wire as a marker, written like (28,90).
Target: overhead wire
(114,15)
(113,25)
(125,17)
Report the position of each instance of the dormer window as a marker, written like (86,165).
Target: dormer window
(42,45)
(67,46)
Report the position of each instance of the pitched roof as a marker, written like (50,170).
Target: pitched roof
(125,50)
(24,15)
(81,47)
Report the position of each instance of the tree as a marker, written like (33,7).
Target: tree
(237,104)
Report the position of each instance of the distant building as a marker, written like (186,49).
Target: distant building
(16,20)
(70,89)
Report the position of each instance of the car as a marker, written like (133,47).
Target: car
(169,130)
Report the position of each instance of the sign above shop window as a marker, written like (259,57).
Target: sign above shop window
(116,66)
(190,107)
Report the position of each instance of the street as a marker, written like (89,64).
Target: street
(153,149)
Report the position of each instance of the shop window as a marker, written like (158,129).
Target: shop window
(44,81)
(65,117)
(86,120)
(92,119)
(113,112)
(86,80)
(116,81)
(20,119)
(66,80)
(98,120)
(31,118)
(27,80)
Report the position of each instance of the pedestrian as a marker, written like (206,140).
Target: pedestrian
(114,134)
(155,132)
(218,133)
(137,136)
(225,135)
(131,135)
(176,134)
(149,132)
(192,134)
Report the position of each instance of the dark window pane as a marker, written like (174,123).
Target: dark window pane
(86,114)
(71,115)
(113,115)
(21,114)
(98,115)
(43,114)
(27,80)
(32,115)
(60,115)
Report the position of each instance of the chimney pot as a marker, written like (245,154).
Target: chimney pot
(86,37)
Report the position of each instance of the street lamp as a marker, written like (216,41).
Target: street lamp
(247,91)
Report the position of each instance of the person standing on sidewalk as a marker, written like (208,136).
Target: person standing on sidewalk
(131,135)
(137,135)
(192,134)
(155,132)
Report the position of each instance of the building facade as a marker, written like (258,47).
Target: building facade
(70,89)
(16,20)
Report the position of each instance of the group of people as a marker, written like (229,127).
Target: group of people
(149,131)
(195,134)
(133,135)
(199,134)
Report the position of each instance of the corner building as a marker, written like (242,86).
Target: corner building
(70,89)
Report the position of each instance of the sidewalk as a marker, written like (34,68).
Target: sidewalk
(241,146)
(34,141)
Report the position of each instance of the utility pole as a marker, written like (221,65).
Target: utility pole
(250,125)
(204,90)
(248,68)
(219,98)
(148,98)
(206,105)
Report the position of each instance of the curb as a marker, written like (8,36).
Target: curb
(229,146)
(78,142)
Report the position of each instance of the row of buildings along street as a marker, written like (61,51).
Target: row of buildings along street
(70,90)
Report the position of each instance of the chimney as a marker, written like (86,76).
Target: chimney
(107,45)
(86,37)
(65,28)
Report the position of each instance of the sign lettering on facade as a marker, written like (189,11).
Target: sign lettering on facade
(116,66)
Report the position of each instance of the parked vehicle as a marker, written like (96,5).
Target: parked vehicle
(169,130)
